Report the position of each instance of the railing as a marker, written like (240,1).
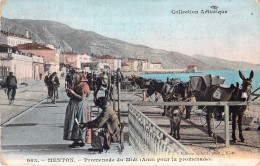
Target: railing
(148,139)
(225,104)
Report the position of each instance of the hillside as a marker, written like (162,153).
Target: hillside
(67,38)
(217,62)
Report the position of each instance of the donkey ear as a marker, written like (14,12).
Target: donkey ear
(241,75)
(251,75)
(238,86)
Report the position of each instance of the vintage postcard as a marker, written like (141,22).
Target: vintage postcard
(130,82)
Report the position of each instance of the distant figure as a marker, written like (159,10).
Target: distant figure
(46,78)
(69,80)
(53,85)
(108,127)
(11,85)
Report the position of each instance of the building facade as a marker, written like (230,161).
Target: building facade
(125,66)
(192,69)
(12,39)
(26,67)
(114,63)
(51,56)
(133,64)
(156,66)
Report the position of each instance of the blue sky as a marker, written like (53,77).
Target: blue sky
(233,36)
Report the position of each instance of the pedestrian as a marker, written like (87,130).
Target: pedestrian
(69,79)
(76,112)
(46,78)
(11,85)
(108,126)
(53,84)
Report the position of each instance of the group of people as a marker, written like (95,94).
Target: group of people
(77,125)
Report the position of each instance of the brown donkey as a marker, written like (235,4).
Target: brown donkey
(217,93)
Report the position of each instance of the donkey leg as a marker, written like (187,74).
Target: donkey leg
(188,110)
(209,122)
(164,108)
(178,132)
(240,128)
(174,133)
(234,120)
(171,127)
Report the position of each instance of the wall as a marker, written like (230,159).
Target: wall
(21,65)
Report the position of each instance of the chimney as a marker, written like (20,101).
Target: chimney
(27,33)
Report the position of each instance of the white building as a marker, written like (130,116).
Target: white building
(82,59)
(14,39)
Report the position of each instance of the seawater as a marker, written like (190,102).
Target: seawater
(231,76)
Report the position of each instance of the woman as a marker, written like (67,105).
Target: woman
(76,111)
(85,101)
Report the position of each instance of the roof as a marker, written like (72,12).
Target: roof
(15,35)
(32,46)
(131,59)
(70,53)
(145,60)
(192,66)
(124,64)
(107,57)
(157,63)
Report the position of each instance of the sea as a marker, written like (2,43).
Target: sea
(231,76)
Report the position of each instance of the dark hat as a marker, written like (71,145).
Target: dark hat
(101,101)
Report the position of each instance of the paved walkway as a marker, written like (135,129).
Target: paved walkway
(26,97)
(38,134)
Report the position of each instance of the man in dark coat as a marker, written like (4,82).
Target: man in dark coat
(11,84)
(108,126)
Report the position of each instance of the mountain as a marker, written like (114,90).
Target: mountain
(217,62)
(61,35)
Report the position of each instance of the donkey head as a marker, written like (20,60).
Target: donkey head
(151,89)
(246,85)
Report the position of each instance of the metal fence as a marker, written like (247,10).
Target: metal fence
(148,139)
(226,106)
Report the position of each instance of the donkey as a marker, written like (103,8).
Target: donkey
(165,89)
(217,93)
(174,113)
(139,82)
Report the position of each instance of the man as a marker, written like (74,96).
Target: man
(108,126)
(11,84)
(53,85)
(46,78)
(69,80)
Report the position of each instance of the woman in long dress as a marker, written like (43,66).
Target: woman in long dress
(76,111)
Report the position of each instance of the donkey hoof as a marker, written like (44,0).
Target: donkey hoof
(234,140)
(242,140)
(178,138)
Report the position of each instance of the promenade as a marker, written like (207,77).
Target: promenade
(35,137)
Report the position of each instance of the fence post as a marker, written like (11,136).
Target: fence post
(119,100)
(227,126)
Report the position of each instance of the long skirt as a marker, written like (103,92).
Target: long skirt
(88,133)
(75,110)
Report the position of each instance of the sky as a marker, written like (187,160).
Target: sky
(234,35)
